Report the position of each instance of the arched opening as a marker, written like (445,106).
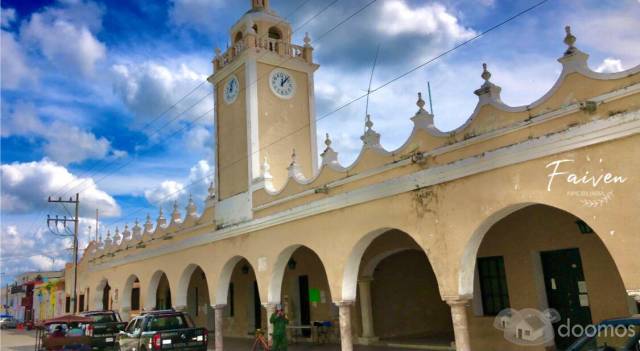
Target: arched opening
(300,284)
(540,257)
(198,305)
(106,294)
(238,291)
(275,33)
(398,300)
(131,304)
(237,38)
(163,294)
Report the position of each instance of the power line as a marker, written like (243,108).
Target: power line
(387,83)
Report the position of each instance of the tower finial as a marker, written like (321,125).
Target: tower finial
(486,75)
(259,4)
(327,141)
(569,40)
(420,103)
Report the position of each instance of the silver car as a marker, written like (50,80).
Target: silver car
(7,322)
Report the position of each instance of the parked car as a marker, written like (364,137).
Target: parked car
(620,334)
(8,322)
(105,329)
(162,330)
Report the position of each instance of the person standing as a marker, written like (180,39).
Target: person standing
(279,321)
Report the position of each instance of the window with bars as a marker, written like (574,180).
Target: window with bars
(493,285)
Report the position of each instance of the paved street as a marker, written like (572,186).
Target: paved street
(20,340)
(17,340)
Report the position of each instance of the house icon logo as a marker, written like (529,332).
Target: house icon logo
(528,326)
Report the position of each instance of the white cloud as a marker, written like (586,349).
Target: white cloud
(168,191)
(15,69)
(8,16)
(149,88)
(65,143)
(26,187)
(428,20)
(30,251)
(610,65)
(65,44)
(197,183)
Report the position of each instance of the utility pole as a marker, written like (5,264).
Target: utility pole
(56,231)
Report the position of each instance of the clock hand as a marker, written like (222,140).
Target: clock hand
(283,81)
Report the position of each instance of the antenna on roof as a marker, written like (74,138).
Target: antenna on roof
(430,103)
(373,67)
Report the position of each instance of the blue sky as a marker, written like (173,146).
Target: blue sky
(85,85)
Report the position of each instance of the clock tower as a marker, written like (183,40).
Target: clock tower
(264,109)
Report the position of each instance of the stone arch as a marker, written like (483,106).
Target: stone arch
(222,288)
(127,292)
(468,260)
(183,284)
(152,289)
(279,267)
(99,298)
(352,265)
(368,269)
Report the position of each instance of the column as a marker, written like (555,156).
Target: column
(218,326)
(460,322)
(346,342)
(271,309)
(368,334)
(125,313)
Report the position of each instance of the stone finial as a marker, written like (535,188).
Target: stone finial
(420,103)
(307,39)
(370,138)
(126,233)
(266,169)
(136,231)
(116,237)
(211,196)
(148,226)
(569,40)
(107,240)
(161,220)
(175,214)
(329,156)
(191,207)
(488,91)
(294,167)
(486,75)
(218,52)
(422,119)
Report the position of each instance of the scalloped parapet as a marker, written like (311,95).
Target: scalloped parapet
(579,96)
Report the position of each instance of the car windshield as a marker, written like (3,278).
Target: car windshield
(612,337)
(103,318)
(167,322)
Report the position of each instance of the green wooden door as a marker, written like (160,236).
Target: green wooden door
(566,291)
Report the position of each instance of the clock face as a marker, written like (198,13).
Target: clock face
(282,83)
(231,90)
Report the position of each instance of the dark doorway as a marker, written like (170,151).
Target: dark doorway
(257,306)
(105,296)
(566,290)
(305,308)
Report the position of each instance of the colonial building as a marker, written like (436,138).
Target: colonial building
(532,206)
